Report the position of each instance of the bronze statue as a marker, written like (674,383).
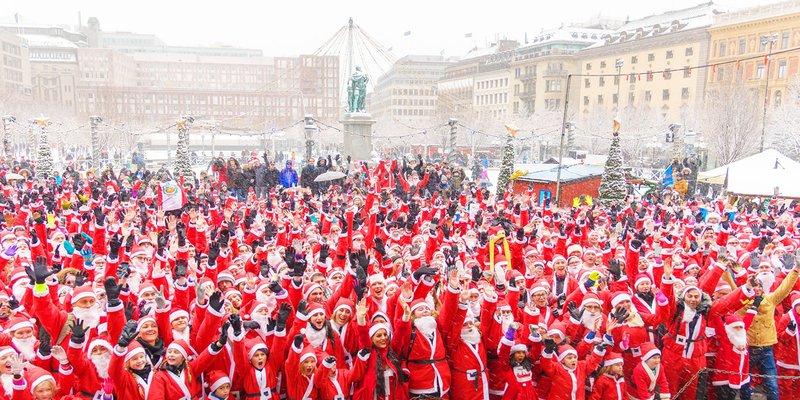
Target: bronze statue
(357,91)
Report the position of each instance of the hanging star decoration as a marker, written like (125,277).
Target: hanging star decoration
(181,124)
(512,130)
(617,125)
(518,173)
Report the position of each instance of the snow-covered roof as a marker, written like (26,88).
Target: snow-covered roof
(566,34)
(758,175)
(48,41)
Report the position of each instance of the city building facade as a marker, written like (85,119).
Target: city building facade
(407,92)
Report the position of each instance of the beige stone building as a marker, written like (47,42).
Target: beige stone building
(407,92)
(15,70)
(671,42)
(739,35)
(54,69)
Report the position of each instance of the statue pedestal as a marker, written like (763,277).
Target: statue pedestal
(358,135)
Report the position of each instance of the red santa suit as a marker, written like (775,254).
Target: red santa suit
(337,386)
(607,386)
(787,356)
(569,384)
(259,383)
(184,385)
(520,382)
(128,385)
(427,361)
(645,380)
(470,378)
(733,357)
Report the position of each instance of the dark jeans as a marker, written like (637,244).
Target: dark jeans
(762,360)
(729,393)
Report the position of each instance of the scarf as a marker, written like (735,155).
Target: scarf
(155,352)
(143,373)
(175,369)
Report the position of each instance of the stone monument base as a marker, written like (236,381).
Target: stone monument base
(358,135)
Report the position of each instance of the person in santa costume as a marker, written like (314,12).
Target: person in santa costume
(787,350)
(260,379)
(649,381)
(732,356)
(518,367)
(33,383)
(219,385)
(610,382)
(568,374)
(178,377)
(300,367)
(130,368)
(334,383)
(384,378)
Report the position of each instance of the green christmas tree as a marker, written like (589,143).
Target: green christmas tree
(612,185)
(183,166)
(44,158)
(507,168)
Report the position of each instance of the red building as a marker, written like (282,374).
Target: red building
(576,181)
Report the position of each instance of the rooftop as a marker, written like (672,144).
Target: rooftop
(568,173)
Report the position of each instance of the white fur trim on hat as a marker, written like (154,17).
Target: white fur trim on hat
(309,354)
(179,348)
(257,347)
(144,320)
(619,299)
(99,342)
(376,327)
(519,347)
(19,325)
(566,353)
(134,353)
(178,314)
(219,382)
(42,379)
(650,354)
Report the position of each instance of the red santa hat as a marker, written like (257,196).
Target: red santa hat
(147,286)
(502,305)
(565,350)
(36,376)
(641,277)
(82,292)
(733,320)
(517,346)
(225,276)
(557,328)
(500,260)
(215,379)
(18,322)
(612,359)
(181,346)
(376,278)
(309,287)
(649,350)
(574,248)
(314,309)
(591,298)
(16,274)
(241,278)
(530,251)
(420,302)
(232,292)
(721,285)
(99,343)
(539,287)
(177,313)
(138,250)
(254,345)
(344,303)
(6,350)
(619,297)
(143,320)
(376,327)
(308,352)
(134,349)
(795,299)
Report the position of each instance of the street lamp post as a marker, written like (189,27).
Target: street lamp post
(7,119)
(766,39)
(618,64)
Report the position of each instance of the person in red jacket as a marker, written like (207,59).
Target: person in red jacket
(567,373)
(610,383)
(178,377)
(733,356)
(130,369)
(649,379)
(299,369)
(334,383)
(518,368)
(219,385)
(787,350)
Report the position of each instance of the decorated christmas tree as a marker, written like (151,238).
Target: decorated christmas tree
(507,167)
(183,166)
(44,158)
(612,185)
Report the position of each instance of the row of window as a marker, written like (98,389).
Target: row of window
(721,72)
(412,102)
(487,99)
(493,83)
(633,77)
(411,112)
(739,46)
(413,92)
(648,96)
(669,54)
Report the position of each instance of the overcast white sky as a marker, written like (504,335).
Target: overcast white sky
(293,27)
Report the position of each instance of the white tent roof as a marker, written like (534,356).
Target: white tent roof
(758,175)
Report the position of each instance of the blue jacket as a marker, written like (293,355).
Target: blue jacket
(288,177)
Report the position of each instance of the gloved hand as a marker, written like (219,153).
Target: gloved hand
(424,271)
(223,333)
(574,312)
(112,291)
(302,307)
(123,270)
(236,324)
(757,301)
(40,271)
(379,247)
(81,277)
(78,331)
(11,251)
(129,333)
(550,346)
(215,301)
(275,287)
(365,352)
(615,269)
(330,360)
(283,316)
(251,325)
(661,298)
(181,266)
(45,342)
(324,252)
(592,279)
(298,341)
(792,326)
(114,244)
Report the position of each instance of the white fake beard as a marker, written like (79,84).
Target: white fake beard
(427,325)
(140,268)
(24,254)
(588,319)
(766,279)
(101,363)
(177,335)
(268,300)
(475,307)
(19,290)
(471,335)
(505,322)
(90,316)
(262,320)
(738,338)
(26,347)
(688,314)
(8,384)
(315,337)
(274,259)
(574,271)
(470,242)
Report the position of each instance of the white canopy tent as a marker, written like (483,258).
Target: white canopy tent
(762,174)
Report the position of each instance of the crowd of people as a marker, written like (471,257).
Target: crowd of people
(402,280)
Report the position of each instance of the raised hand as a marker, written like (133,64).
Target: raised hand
(129,332)
(283,316)
(574,312)
(78,331)
(215,301)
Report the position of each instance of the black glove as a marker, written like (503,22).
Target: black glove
(756,229)
(363,259)
(112,291)
(223,333)
(115,244)
(615,268)
(302,307)
(550,346)
(78,331)
(180,229)
(264,267)
(13,303)
(40,271)
(129,308)
(424,271)
(275,287)
(483,238)
(365,352)
(236,323)
(123,270)
(379,247)
(251,325)
(283,315)
(574,312)
(213,253)
(792,326)
(81,277)
(788,260)
(45,342)
(298,341)
(476,273)
(215,301)
(620,314)
(129,333)
(693,246)
(324,252)
(163,237)
(757,301)
(520,234)
(181,267)
(601,347)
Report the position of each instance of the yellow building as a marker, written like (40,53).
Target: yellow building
(672,41)
(753,33)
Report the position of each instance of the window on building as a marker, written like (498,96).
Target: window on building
(685,93)
(667,74)
(762,46)
(785,40)
(651,57)
(586,83)
(687,72)
(614,99)
(669,54)
(742,46)
(648,96)
(599,99)
(689,51)
(781,69)
(516,73)
(553,85)
(634,59)
(585,100)
(722,48)
(778,98)
(516,90)
(602,81)
(552,104)
(631,98)
(720,73)
(665,94)
(602,64)
(588,66)
(760,71)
